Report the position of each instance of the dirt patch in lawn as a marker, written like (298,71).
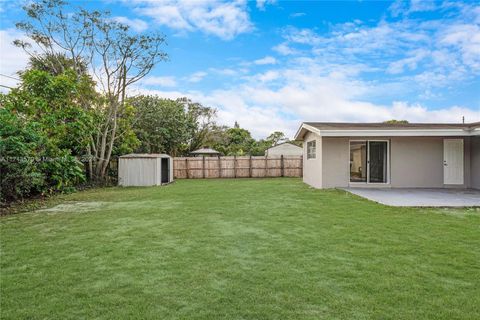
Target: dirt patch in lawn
(460,213)
(90,206)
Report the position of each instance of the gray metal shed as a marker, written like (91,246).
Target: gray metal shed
(137,169)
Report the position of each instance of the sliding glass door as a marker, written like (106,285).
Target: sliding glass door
(377,157)
(369,161)
(358,161)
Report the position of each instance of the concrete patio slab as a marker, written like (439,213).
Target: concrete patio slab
(419,197)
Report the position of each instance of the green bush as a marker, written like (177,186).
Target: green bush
(42,127)
(20,144)
(30,164)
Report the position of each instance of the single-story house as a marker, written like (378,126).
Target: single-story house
(284,149)
(413,155)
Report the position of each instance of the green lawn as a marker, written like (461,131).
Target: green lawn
(238,249)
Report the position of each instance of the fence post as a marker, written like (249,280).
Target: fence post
(203,167)
(250,169)
(266,167)
(186,168)
(219,167)
(301,165)
(281,166)
(235,166)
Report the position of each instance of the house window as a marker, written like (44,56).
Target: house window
(311,149)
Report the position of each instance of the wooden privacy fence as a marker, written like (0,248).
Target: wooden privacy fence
(237,167)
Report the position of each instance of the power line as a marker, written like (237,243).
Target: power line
(10,77)
(4,75)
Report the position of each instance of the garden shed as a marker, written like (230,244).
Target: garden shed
(145,169)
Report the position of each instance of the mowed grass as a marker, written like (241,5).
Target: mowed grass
(238,249)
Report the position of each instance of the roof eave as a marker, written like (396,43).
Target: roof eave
(396,133)
(304,128)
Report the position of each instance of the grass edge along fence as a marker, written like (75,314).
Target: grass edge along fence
(237,167)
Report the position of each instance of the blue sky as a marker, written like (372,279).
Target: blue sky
(271,64)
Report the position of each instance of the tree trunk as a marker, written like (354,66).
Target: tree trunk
(90,162)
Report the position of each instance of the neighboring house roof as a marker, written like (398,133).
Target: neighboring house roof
(345,129)
(145,155)
(286,142)
(205,151)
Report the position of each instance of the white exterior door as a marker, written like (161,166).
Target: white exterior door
(453,161)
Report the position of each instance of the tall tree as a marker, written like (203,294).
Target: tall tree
(233,141)
(116,57)
(161,125)
(217,139)
(276,137)
(200,122)
(171,126)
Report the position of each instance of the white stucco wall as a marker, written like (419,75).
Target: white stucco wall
(312,168)
(418,162)
(335,162)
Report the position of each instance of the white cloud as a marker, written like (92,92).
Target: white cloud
(267,76)
(159,81)
(226,71)
(284,49)
(410,62)
(302,36)
(262,3)
(138,89)
(402,7)
(197,76)
(225,20)
(297,14)
(422,5)
(136,24)
(265,60)
(12,59)
(466,39)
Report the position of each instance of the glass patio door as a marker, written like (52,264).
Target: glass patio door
(369,161)
(377,160)
(358,161)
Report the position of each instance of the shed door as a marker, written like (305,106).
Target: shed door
(165,170)
(453,161)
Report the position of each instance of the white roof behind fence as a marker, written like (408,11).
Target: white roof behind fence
(145,155)
(205,150)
